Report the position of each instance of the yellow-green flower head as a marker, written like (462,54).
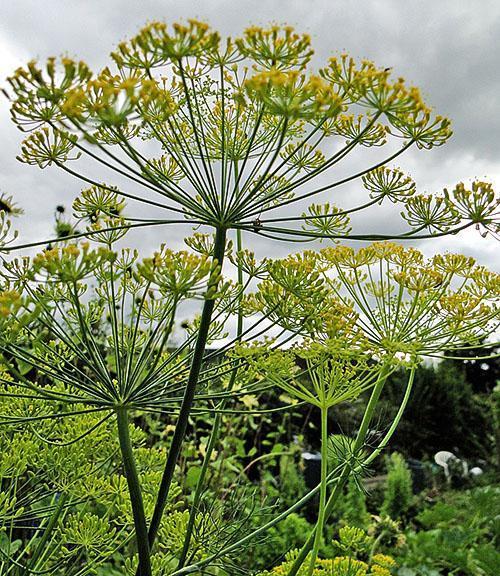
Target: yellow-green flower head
(166,169)
(97,202)
(360,128)
(351,545)
(419,279)
(433,213)
(108,229)
(15,312)
(246,261)
(179,274)
(293,293)
(484,282)
(183,40)
(406,305)
(157,101)
(87,531)
(457,264)
(389,183)
(296,273)
(305,158)
(402,106)
(384,560)
(10,302)
(47,146)
(326,219)
(293,95)
(479,204)
(278,47)
(39,92)
(423,129)
(406,257)
(347,257)
(108,99)
(73,262)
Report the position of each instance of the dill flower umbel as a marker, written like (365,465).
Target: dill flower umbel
(243,126)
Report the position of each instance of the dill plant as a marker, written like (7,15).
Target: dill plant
(227,135)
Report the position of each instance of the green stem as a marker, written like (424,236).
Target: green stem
(358,443)
(322,494)
(396,420)
(189,392)
(41,546)
(377,541)
(134,488)
(214,435)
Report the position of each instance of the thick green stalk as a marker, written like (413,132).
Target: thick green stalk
(358,443)
(134,488)
(214,435)
(187,401)
(322,494)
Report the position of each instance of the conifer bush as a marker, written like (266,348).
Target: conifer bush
(398,494)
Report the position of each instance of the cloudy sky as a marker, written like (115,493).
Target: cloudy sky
(450,49)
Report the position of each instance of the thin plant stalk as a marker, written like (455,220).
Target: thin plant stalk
(191,569)
(323,490)
(47,533)
(358,443)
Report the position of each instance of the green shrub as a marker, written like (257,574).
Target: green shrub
(398,494)
(460,535)
(442,411)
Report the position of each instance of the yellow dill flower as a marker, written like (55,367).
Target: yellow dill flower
(384,560)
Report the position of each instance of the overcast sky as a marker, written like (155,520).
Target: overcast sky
(449,48)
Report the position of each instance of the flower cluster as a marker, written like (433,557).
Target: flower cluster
(39,92)
(73,262)
(214,108)
(155,45)
(433,213)
(479,205)
(177,275)
(412,306)
(389,183)
(10,302)
(293,95)
(362,129)
(280,48)
(352,545)
(326,220)
(97,202)
(46,146)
